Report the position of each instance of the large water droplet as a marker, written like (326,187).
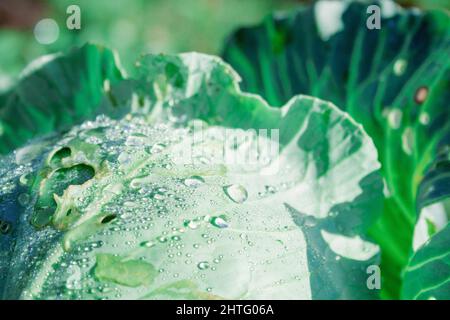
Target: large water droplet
(147,244)
(236,193)
(191,224)
(194,181)
(26,179)
(408,140)
(400,67)
(203,265)
(162,239)
(424,118)
(219,222)
(421,95)
(395,118)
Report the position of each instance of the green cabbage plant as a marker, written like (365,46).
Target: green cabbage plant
(178,181)
(395,81)
(143,195)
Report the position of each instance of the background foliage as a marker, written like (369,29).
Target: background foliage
(133,27)
(170,26)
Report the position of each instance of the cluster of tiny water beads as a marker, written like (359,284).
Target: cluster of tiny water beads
(164,215)
(16,178)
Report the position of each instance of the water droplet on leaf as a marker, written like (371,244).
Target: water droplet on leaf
(421,95)
(408,140)
(203,265)
(424,118)
(219,222)
(194,181)
(236,193)
(162,239)
(147,244)
(395,118)
(400,67)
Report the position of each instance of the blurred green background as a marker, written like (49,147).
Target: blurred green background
(133,27)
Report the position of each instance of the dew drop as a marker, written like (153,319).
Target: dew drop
(203,265)
(236,193)
(136,184)
(219,222)
(400,67)
(395,118)
(424,118)
(421,95)
(162,239)
(191,224)
(25,179)
(194,181)
(147,244)
(270,189)
(408,140)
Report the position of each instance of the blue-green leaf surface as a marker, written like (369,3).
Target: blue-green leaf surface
(394,81)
